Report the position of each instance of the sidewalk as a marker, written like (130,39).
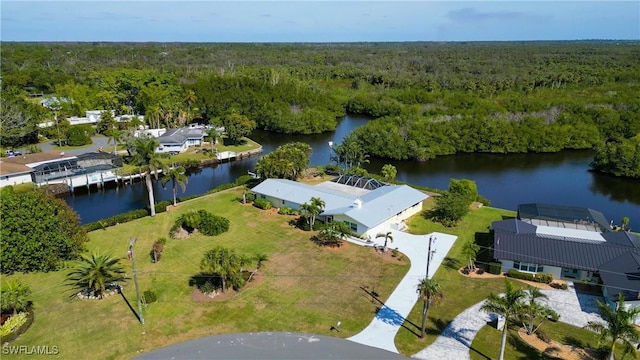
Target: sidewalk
(381,332)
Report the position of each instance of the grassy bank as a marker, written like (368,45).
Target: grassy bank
(306,288)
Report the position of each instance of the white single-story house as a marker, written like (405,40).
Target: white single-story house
(14,174)
(178,140)
(571,243)
(367,210)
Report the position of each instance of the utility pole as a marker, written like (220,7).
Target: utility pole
(430,254)
(135,278)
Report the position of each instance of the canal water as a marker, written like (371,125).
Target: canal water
(506,180)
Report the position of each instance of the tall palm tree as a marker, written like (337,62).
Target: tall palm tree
(190,98)
(508,305)
(115,136)
(177,176)
(429,291)
(470,252)
(312,209)
(95,272)
(388,238)
(144,154)
(618,326)
(212,137)
(224,263)
(15,296)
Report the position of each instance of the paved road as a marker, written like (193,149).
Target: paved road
(98,142)
(381,332)
(269,346)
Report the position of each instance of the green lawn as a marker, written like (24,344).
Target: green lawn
(486,344)
(459,292)
(306,288)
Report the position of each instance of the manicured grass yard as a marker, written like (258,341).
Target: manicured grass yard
(306,289)
(459,292)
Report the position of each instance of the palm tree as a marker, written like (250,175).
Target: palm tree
(532,310)
(313,209)
(190,98)
(95,272)
(260,258)
(114,135)
(15,296)
(429,292)
(618,326)
(144,154)
(470,252)
(224,263)
(508,305)
(387,238)
(212,137)
(177,176)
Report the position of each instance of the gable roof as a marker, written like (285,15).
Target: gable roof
(376,206)
(13,169)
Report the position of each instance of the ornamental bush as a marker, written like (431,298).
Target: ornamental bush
(285,210)
(546,278)
(262,204)
(207,223)
(495,268)
(149,296)
(13,323)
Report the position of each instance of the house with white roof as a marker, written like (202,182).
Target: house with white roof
(369,209)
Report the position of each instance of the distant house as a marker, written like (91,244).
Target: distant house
(14,174)
(571,243)
(179,140)
(366,205)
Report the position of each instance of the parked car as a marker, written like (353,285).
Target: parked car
(12,153)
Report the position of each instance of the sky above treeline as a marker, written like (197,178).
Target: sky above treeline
(317,21)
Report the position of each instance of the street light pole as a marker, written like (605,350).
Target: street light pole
(135,278)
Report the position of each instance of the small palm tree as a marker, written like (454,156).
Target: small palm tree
(533,311)
(470,252)
(224,263)
(212,137)
(115,136)
(95,272)
(618,326)
(388,238)
(144,154)
(429,292)
(260,258)
(15,296)
(177,176)
(508,305)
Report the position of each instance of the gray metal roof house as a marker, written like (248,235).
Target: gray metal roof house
(366,211)
(554,245)
(178,140)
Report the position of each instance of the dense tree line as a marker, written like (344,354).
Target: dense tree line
(431,98)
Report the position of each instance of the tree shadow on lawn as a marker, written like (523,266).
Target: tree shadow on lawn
(451,263)
(388,315)
(529,352)
(201,280)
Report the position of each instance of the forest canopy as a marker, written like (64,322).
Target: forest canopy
(428,99)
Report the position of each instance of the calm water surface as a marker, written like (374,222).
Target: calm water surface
(506,180)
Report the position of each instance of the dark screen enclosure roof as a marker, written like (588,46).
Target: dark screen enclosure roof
(571,214)
(361,182)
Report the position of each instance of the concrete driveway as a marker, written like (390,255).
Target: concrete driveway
(381,332)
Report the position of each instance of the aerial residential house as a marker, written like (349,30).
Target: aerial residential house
(14,174)
(366,205)
(175,141)
(571,243)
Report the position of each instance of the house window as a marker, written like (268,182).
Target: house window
(282,202)
(354,227)
(263,196)
(528,267)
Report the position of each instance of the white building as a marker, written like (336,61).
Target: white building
(366,205)
(179,140)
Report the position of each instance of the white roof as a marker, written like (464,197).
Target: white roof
(377,205)
(569,233)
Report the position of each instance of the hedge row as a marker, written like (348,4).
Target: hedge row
(546,278)
(160,206)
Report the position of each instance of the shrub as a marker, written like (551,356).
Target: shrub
(262,204)
(13,323)
(162,240)
(395,252)
(495,268)
(480,271)
(543,336)
(156,251)
(207,223)
(212,225)
(285,210)
(546,278)
(243,179)
(149,297)
(483,200)
(250,197)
